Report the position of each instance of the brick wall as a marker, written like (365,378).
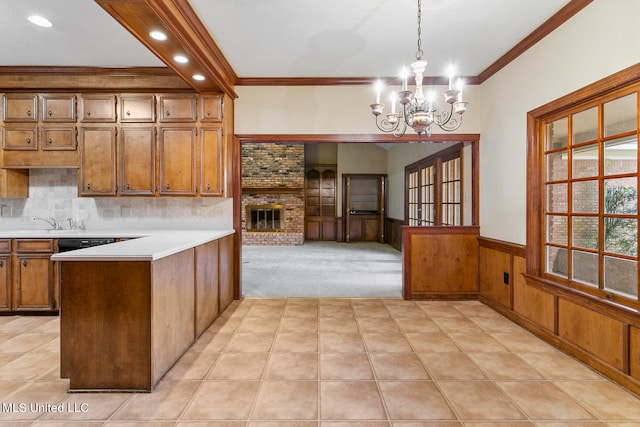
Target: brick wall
(266,168)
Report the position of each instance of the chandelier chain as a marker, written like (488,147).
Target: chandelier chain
(419,52)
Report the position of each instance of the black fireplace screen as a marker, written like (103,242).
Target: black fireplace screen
(265,218)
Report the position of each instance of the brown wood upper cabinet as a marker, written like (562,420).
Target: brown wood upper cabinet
(58,138)
(177,155)
(58,108)
(135,108)
(177,108)
(211,108)
(137,159)
(97,176)
(19,107)
(211,161)
(20,138)
(98,108)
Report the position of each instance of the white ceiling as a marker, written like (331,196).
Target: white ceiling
(287,38)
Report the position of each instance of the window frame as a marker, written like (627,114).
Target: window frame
(435,160)
(618,85)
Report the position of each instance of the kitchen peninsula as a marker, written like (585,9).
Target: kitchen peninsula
(129,310)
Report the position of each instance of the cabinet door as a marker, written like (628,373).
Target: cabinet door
(97,161)
(19,138)
(211,108)
(33,283)
(5,282)
(20,108)
(58,108)
(176,148)
(177,108)
(137,108)
(98,108)
(136,151)
(62,138)
(211,164)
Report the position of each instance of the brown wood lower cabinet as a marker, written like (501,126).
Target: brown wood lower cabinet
(33,276)
(123,324)
(5,275)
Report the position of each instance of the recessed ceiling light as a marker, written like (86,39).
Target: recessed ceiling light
(40,21)
(198,77)
(181,59)
(158,35)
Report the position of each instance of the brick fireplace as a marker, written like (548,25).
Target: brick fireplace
(272,194)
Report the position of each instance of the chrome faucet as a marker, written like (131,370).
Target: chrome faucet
(53,223)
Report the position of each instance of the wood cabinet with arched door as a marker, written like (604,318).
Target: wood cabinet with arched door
(320,202)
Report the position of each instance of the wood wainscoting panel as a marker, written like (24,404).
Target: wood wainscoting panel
(394,233)
(493,265)
(206,286)
(598,334)
(440,262)
(532,303)
(634,352)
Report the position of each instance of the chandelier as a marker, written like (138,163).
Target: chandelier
(416,110)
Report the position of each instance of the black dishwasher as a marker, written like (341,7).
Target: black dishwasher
(71,244)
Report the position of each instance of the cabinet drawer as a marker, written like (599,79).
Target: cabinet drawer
(98,108)
(19,138)
(33,245)
(62,138)
(177,108)
(137,108)
(58,108)
(20,108)
(211,108)
(5,246)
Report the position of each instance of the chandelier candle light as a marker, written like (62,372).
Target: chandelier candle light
(417,111)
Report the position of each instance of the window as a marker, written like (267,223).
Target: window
(584,214)
(433,188)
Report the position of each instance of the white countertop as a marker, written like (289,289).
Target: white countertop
(144,245)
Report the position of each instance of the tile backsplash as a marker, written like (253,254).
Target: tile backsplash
(53,193)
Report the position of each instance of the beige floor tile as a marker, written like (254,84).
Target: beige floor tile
(558,366)
(28,366)
(346,342)
(437,309)
(415,400)
(432,342)
(605,399)
(299,325)
(132,424)
(505,366)
(239,366)
(457,325)
(389,342)
(7,388)
(250,343)
(416,325)
(292,366)
(265,310)
(286,400)
(376,324)
(398,366)
(42,392)
(338,324)
(94,406)
(541,400)
(192,366)
(301,310)
(225,324)
(354,424)
(402,310)
(335,310)
(426,424)
(496,325)
(479,400)
(222,400)
(377,311)
(167,402)
(477,342)
(210,423)
(523,342)
(211,342)
(26,342)
(351,400)
(451,366)
(345,366)
(258,325)
(291,342)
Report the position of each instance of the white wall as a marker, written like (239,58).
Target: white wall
(597,42)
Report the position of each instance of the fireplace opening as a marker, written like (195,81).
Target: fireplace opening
(265,218)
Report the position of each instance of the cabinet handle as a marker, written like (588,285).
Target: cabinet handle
(128,113)
(1,263)
(24,262)
(88,113)
(50,113)
(89,186)
(167,186)
(29,113)
(28,140)
(49,141)
(208,187)
(167,113)
(127,186)
(208,113)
